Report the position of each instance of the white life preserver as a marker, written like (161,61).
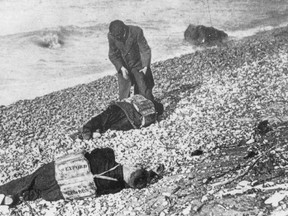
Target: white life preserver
(145,107)
(74,176)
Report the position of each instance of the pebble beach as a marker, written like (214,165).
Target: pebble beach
(213,99)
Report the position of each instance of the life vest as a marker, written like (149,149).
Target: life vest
(74,176)
(145,107)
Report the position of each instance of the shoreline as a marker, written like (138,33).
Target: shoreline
(212,98)
(43,88)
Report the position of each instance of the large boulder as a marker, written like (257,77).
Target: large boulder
(202,35)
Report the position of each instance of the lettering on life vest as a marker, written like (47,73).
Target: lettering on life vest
(74,176)
(146,108)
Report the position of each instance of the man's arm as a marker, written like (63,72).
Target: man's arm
(114,54)
(144,48)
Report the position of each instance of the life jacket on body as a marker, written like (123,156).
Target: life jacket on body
(74,176)
(145,107)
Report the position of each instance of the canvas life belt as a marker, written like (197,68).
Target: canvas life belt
(75,178)
(145,107)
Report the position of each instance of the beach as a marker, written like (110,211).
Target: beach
(213,99)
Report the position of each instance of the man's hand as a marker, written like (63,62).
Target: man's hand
(124,73)
(143,70)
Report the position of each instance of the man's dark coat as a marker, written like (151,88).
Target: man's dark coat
(134,53)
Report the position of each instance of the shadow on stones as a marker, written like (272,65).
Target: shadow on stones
(174,96)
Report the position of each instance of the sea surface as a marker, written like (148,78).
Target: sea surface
(48,45)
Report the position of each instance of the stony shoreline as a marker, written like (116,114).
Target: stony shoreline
(213,99)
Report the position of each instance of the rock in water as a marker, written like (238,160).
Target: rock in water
(200,34)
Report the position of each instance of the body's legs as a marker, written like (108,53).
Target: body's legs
(112,118)
(40,184)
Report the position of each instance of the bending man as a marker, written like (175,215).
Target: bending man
(131,56)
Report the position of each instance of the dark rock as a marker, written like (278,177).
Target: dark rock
(204,35)
(160,169)
(263,127)
(250,154)
(197,152)
(242,142)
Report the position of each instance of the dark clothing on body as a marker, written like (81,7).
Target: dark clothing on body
(119,116)
(134,54)
(102,160)
(42,183)
(112,118)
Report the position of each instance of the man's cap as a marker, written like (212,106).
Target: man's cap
(116,27)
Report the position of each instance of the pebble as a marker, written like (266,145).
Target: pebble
(4,209)
(250,141)
(276,198)
(244,183)
(268,184)
(204,198)
(187,210)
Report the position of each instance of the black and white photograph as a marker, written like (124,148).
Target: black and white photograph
(143,107)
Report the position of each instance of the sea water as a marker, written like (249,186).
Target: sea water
(48,45)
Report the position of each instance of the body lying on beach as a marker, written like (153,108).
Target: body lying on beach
(75,176)
(130,113)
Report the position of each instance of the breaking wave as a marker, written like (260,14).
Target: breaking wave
(50,40)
